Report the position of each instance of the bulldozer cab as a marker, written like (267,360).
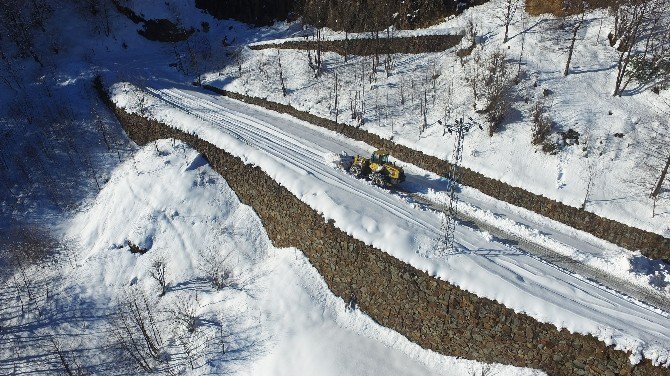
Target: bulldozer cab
(380,156)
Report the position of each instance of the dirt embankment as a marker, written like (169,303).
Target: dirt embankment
(365,47)
(562,7)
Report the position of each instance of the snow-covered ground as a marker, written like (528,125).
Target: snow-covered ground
(48,174)
(299,159)
(277,317)
(581,101)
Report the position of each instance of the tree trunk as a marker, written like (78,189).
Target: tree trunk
(664,173)
(508,18)
(575,30)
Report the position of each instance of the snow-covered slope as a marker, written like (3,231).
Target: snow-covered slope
(279,316)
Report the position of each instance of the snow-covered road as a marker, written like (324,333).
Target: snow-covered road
(298,156)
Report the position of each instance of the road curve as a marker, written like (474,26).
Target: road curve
(506,273)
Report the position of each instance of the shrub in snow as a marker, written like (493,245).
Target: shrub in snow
(185,315)
(552,144)
(571,137)
(496,89)
(214,265)
(541,125)
(650,70)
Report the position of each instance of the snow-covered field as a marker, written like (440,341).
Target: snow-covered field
(581,101)
(299,159)
(276,317)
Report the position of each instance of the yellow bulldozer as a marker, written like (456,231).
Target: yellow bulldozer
(377,168)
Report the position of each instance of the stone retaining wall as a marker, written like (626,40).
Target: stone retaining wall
(371,46)
(433,313)
(650,244)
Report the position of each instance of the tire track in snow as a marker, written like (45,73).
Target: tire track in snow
(316,162)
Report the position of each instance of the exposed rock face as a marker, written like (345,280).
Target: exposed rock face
(350,15)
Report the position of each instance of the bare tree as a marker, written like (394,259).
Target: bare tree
(524,23)
(184,314)
(658,158)
(216,266)
(21,21)
(541,124)
(424,111)
(448,106)
(281,74)
(474,74)
(659,184)
(470,39)
(346,46)
(238,55)
(69,363)
(158,272)
(577,25)
(508,12)
(317,63)
(134,330)
(496,89)
(388,61)
(640,33)
(336,94)
(592,170)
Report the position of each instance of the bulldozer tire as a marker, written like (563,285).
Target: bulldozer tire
(379,179)
(357,171)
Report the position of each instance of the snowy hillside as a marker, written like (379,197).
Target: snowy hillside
(611,171)
(119,259)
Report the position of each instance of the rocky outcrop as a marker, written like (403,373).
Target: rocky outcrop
(158,30)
